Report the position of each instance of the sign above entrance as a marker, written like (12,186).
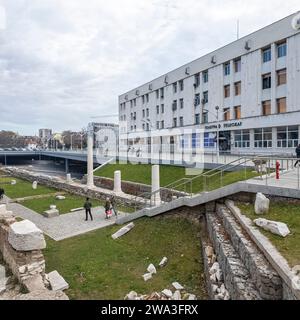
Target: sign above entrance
(224,125)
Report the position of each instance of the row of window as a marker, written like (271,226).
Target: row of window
(281,49)
(287,137)
(281,79)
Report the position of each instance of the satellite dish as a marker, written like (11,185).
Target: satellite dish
(296,22)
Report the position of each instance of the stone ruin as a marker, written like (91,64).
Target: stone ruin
(21,245)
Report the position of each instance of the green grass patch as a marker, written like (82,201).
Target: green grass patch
(98,267)
(65,206)
(141,173)
(22,188)
(284,212)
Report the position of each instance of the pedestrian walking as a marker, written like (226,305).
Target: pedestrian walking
(107,208)
(87,206)
(298,155)
(114,205)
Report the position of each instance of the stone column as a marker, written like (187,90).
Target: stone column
(90,158)
(117,182)
(155,199)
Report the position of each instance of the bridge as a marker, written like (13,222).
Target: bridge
(66,155)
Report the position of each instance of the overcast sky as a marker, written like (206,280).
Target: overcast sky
(63,61)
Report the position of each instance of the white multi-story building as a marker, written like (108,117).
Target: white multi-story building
(248,91)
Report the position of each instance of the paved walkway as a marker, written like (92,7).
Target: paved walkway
(66,225)
(289,179)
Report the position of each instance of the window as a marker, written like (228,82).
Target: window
(134,102)
(181,121)
(175,87)
(143,113)
(157,109)
(237,112)
(174,105)
(134,127)
(148,126)
(237,65)
(162,108)
(144,126)
(205,97)
(281,50)
(267,55)
(266,108)
(147,97)
(209,141)
(181,103)
(134,116)
(147,112)
(181,85)
(238,88)
(205,76)
(227,68)
(227,91)
(205,117)
(263,138)
(131,128)
(143,99)
(157,94)
(197,80)
(287,137)
(162,125)
(157,125)
(197,100)
(226,112)
(281,105)
(162,93)
(281,77)
(242,139)
(266,81)
(131,103)
(174,122)
(197,118)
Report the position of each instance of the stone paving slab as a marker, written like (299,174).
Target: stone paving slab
(66,225)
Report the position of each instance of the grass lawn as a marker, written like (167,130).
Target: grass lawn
(22,188)
(64,206)
(288,213)
(98,267)
(142,173)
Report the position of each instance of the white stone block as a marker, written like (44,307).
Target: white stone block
(52,206)
(176,295)
(123,231)
(147,276)
(60,197)
(168,293)
(13,182)
(177,286)
(51,213)
(163,262)
(132,295)
(275,227)
(3,209)
(151,269)
(192,297)
(26,236)
(34,185)
(57,282)
(262,204)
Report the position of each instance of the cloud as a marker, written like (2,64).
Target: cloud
(64,61)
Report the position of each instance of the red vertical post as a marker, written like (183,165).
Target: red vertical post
(277,169)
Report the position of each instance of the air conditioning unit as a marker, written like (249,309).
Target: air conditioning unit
(296,22)
(213,59)
(187,70)
(166,79)
(248,45)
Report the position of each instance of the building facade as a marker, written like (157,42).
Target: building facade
(247,93)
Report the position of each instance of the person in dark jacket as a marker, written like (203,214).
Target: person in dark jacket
(114,205)
(87,206)
(298,155)
(1,193)
(107,208)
